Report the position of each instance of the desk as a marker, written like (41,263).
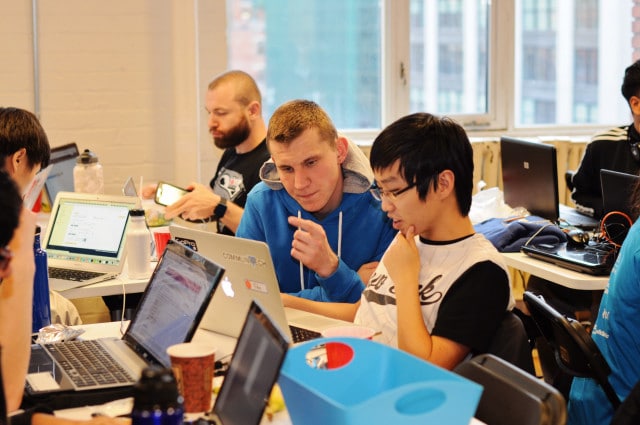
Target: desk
(109,287)
(224,344)
(551,272)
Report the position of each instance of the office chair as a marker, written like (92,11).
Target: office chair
(575,352)
(511,395)
(511,343)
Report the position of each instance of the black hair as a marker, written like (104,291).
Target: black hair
(21,129)
(631,83)
(10,206)
(426,145)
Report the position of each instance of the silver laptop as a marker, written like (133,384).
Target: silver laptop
(249,275)
(60,179)
(86,238)
(169,312)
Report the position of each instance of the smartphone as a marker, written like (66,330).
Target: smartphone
(167,194)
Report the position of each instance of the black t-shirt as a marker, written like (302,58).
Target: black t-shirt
(237,174)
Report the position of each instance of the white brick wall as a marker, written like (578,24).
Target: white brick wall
(124,78)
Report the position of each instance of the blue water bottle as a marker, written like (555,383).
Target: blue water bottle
(41,315)
(156,400)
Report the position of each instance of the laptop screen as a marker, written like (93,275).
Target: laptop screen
(529,177)
(87,230)
(60,178)
(173,303)
(253,370)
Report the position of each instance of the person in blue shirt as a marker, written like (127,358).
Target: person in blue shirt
(325,231)
(616,333)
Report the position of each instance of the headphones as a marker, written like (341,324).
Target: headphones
(634,142)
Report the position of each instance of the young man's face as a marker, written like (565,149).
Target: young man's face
(228,123)
(310,170)
(405,209)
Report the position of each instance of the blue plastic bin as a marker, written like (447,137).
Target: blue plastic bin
(379,385)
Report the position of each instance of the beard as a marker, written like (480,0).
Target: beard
(235,136)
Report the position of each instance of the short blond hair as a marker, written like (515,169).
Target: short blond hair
(293,118)
(246,89)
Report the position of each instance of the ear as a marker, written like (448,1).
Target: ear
(446,183)
(254,109)
(342,147)
(17,159)
(634,104)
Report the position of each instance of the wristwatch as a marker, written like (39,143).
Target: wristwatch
(220,210)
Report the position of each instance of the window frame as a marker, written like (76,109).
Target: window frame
(501,92)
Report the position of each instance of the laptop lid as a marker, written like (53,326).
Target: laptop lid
(254,368)
(594,260)
(60,179)
(530,176)
(617,190)
(173,303)
(249,275)
(88,231)
(30,196)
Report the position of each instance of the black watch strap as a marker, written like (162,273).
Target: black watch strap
(220,210)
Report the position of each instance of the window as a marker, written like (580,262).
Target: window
(494,65)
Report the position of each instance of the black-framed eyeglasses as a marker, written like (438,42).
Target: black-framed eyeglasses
(391,195)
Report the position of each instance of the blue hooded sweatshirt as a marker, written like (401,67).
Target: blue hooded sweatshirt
(366,231)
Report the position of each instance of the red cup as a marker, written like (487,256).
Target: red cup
(339,353)
(193,367)
(161,239)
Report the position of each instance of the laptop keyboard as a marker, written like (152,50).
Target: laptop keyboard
(301,335)
(74,275)
(88,364)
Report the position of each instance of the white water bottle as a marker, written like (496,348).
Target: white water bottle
(138,243)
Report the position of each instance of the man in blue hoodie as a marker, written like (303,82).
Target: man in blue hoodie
(314,209)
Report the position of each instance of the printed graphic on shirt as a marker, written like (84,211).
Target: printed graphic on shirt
(374,294)
(229,184)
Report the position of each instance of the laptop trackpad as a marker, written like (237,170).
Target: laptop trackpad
(42,381)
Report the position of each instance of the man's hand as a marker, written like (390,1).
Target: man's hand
(310,246)
(149,191)
(198,204)
(366,270)
(402,260)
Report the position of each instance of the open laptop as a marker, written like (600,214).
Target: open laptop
(33,192)
(254,368)
(249,275)
(595,259)
(530,180)
(60,179)
(617,190)
(86,237)
(169,312)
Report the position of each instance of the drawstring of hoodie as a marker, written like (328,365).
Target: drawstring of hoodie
(339,247)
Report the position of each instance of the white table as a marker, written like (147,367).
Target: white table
(224,344)
(555,274)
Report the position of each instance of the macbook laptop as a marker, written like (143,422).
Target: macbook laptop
(30,196)
(254,368)
(85,238)
(129,188)
(530,180)
(60,178)
(249,275)
(169,312)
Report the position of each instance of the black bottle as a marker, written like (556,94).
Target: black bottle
(156,400)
